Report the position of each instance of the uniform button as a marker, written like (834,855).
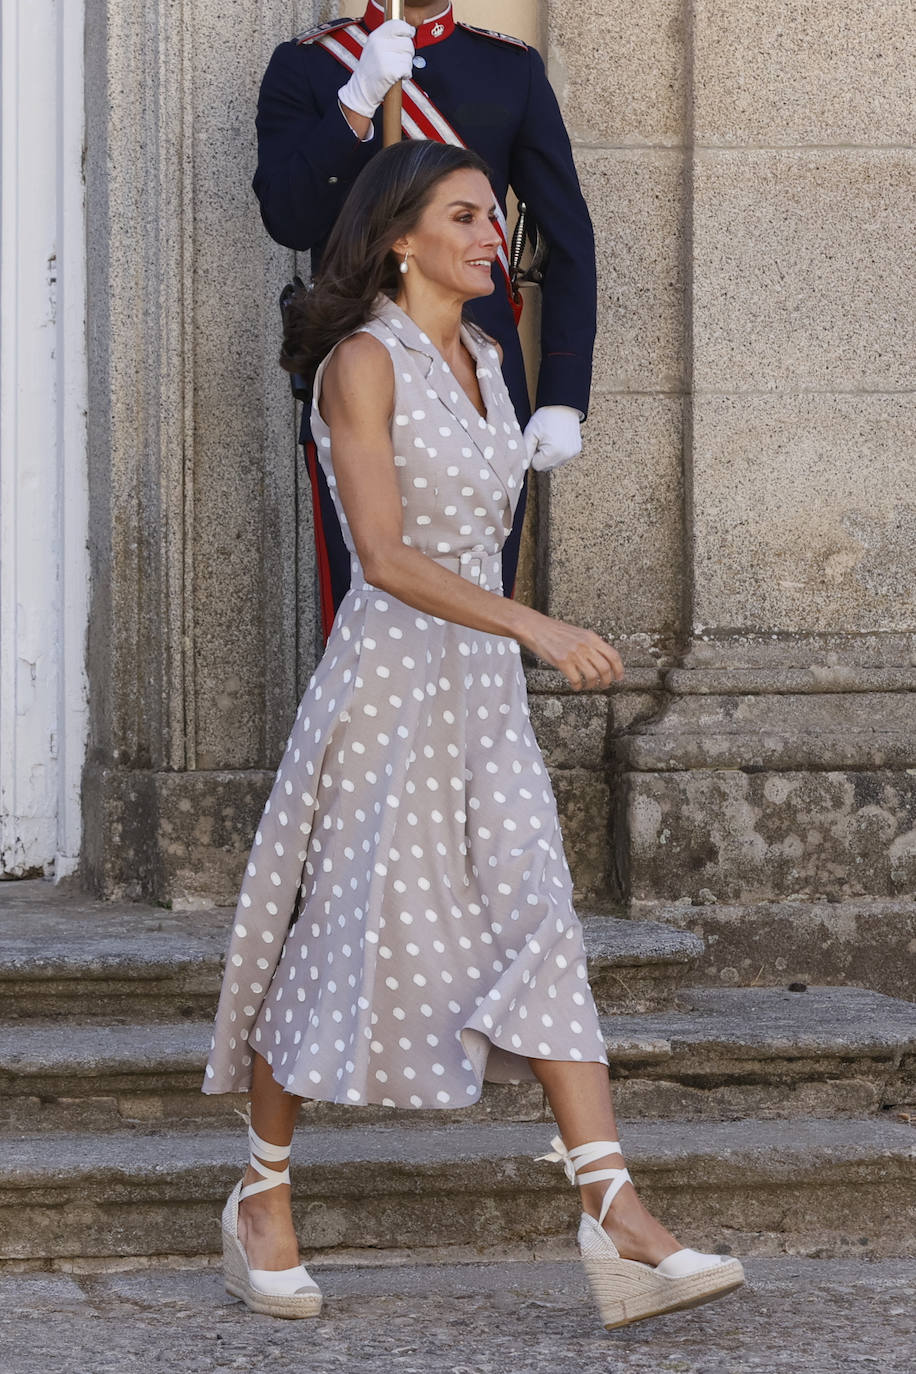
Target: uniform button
(332,181)
(419,61)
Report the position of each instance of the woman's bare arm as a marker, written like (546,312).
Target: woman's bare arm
(357,401)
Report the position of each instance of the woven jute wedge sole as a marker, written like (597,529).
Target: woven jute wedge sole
(627,1291)
(235,1275)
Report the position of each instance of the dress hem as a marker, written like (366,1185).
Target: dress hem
(207,1090)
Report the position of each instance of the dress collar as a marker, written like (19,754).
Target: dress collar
(478,429)
(435,30)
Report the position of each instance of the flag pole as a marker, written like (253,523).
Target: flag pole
(391,107)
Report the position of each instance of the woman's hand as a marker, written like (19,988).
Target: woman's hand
(584,658)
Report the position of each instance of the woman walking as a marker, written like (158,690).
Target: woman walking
(405,928)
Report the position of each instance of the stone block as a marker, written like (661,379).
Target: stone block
(571,730)
(635,92)
(816,73)
(653,1100)
(869,942)
(196,557)
(633,966)
(802,270)
(584,806)
(180,838)
(777,731)
(236,379)
(629,709)
(804,713)
(769,1051)
(805,513)
(732,836)
(614,556)
(636,199)
(812,667)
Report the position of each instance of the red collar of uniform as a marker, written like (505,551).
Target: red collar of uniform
(433,31)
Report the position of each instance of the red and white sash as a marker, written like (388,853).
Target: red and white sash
(419,119)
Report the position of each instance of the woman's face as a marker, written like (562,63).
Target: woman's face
(454,244)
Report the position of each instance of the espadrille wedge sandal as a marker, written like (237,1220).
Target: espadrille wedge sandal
(273,1292)
(625,1290)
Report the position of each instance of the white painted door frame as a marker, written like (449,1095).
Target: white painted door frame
(44,568)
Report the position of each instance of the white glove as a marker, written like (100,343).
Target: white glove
(387,58)
(552,437)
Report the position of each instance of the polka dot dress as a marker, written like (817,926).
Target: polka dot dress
(405,927)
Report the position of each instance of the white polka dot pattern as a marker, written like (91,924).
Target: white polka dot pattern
(405,926)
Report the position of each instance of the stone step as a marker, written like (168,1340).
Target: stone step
(64,954)
(822,1188)
(635,966)
(727,1053)
(100,1078)
(867,941)
(780,731)
(766,1052)
(71,957)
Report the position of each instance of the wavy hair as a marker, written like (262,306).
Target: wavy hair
(384,203)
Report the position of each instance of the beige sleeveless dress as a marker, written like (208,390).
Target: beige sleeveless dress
(405,927)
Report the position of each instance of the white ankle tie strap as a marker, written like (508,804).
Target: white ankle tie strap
(580,1157)
(270,1178)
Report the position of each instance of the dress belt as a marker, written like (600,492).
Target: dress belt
(478,566)
(486,569)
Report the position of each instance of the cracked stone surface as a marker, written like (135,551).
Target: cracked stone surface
(826,1317)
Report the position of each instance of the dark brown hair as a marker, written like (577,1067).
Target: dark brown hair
(385,202)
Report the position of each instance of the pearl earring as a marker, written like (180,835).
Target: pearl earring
(403,267)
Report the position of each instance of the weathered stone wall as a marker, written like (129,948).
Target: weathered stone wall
(744,514)
(751,172)
(613,523)
(203,615)
(805,318)
(742,519)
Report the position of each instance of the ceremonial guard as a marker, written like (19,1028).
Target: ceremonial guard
(319,123)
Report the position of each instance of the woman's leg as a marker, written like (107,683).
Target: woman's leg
(265,1219)
(580,1099)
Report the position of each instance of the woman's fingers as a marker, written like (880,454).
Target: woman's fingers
(602,665)
(589,672)
(613,661)
(592,663)
(604,661)
(586,660)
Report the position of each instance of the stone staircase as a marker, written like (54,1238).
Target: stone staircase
(756,1118)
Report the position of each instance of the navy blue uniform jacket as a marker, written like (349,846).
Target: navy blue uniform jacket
(496,96)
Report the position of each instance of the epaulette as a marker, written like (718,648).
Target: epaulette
(492,33)
(319,30)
